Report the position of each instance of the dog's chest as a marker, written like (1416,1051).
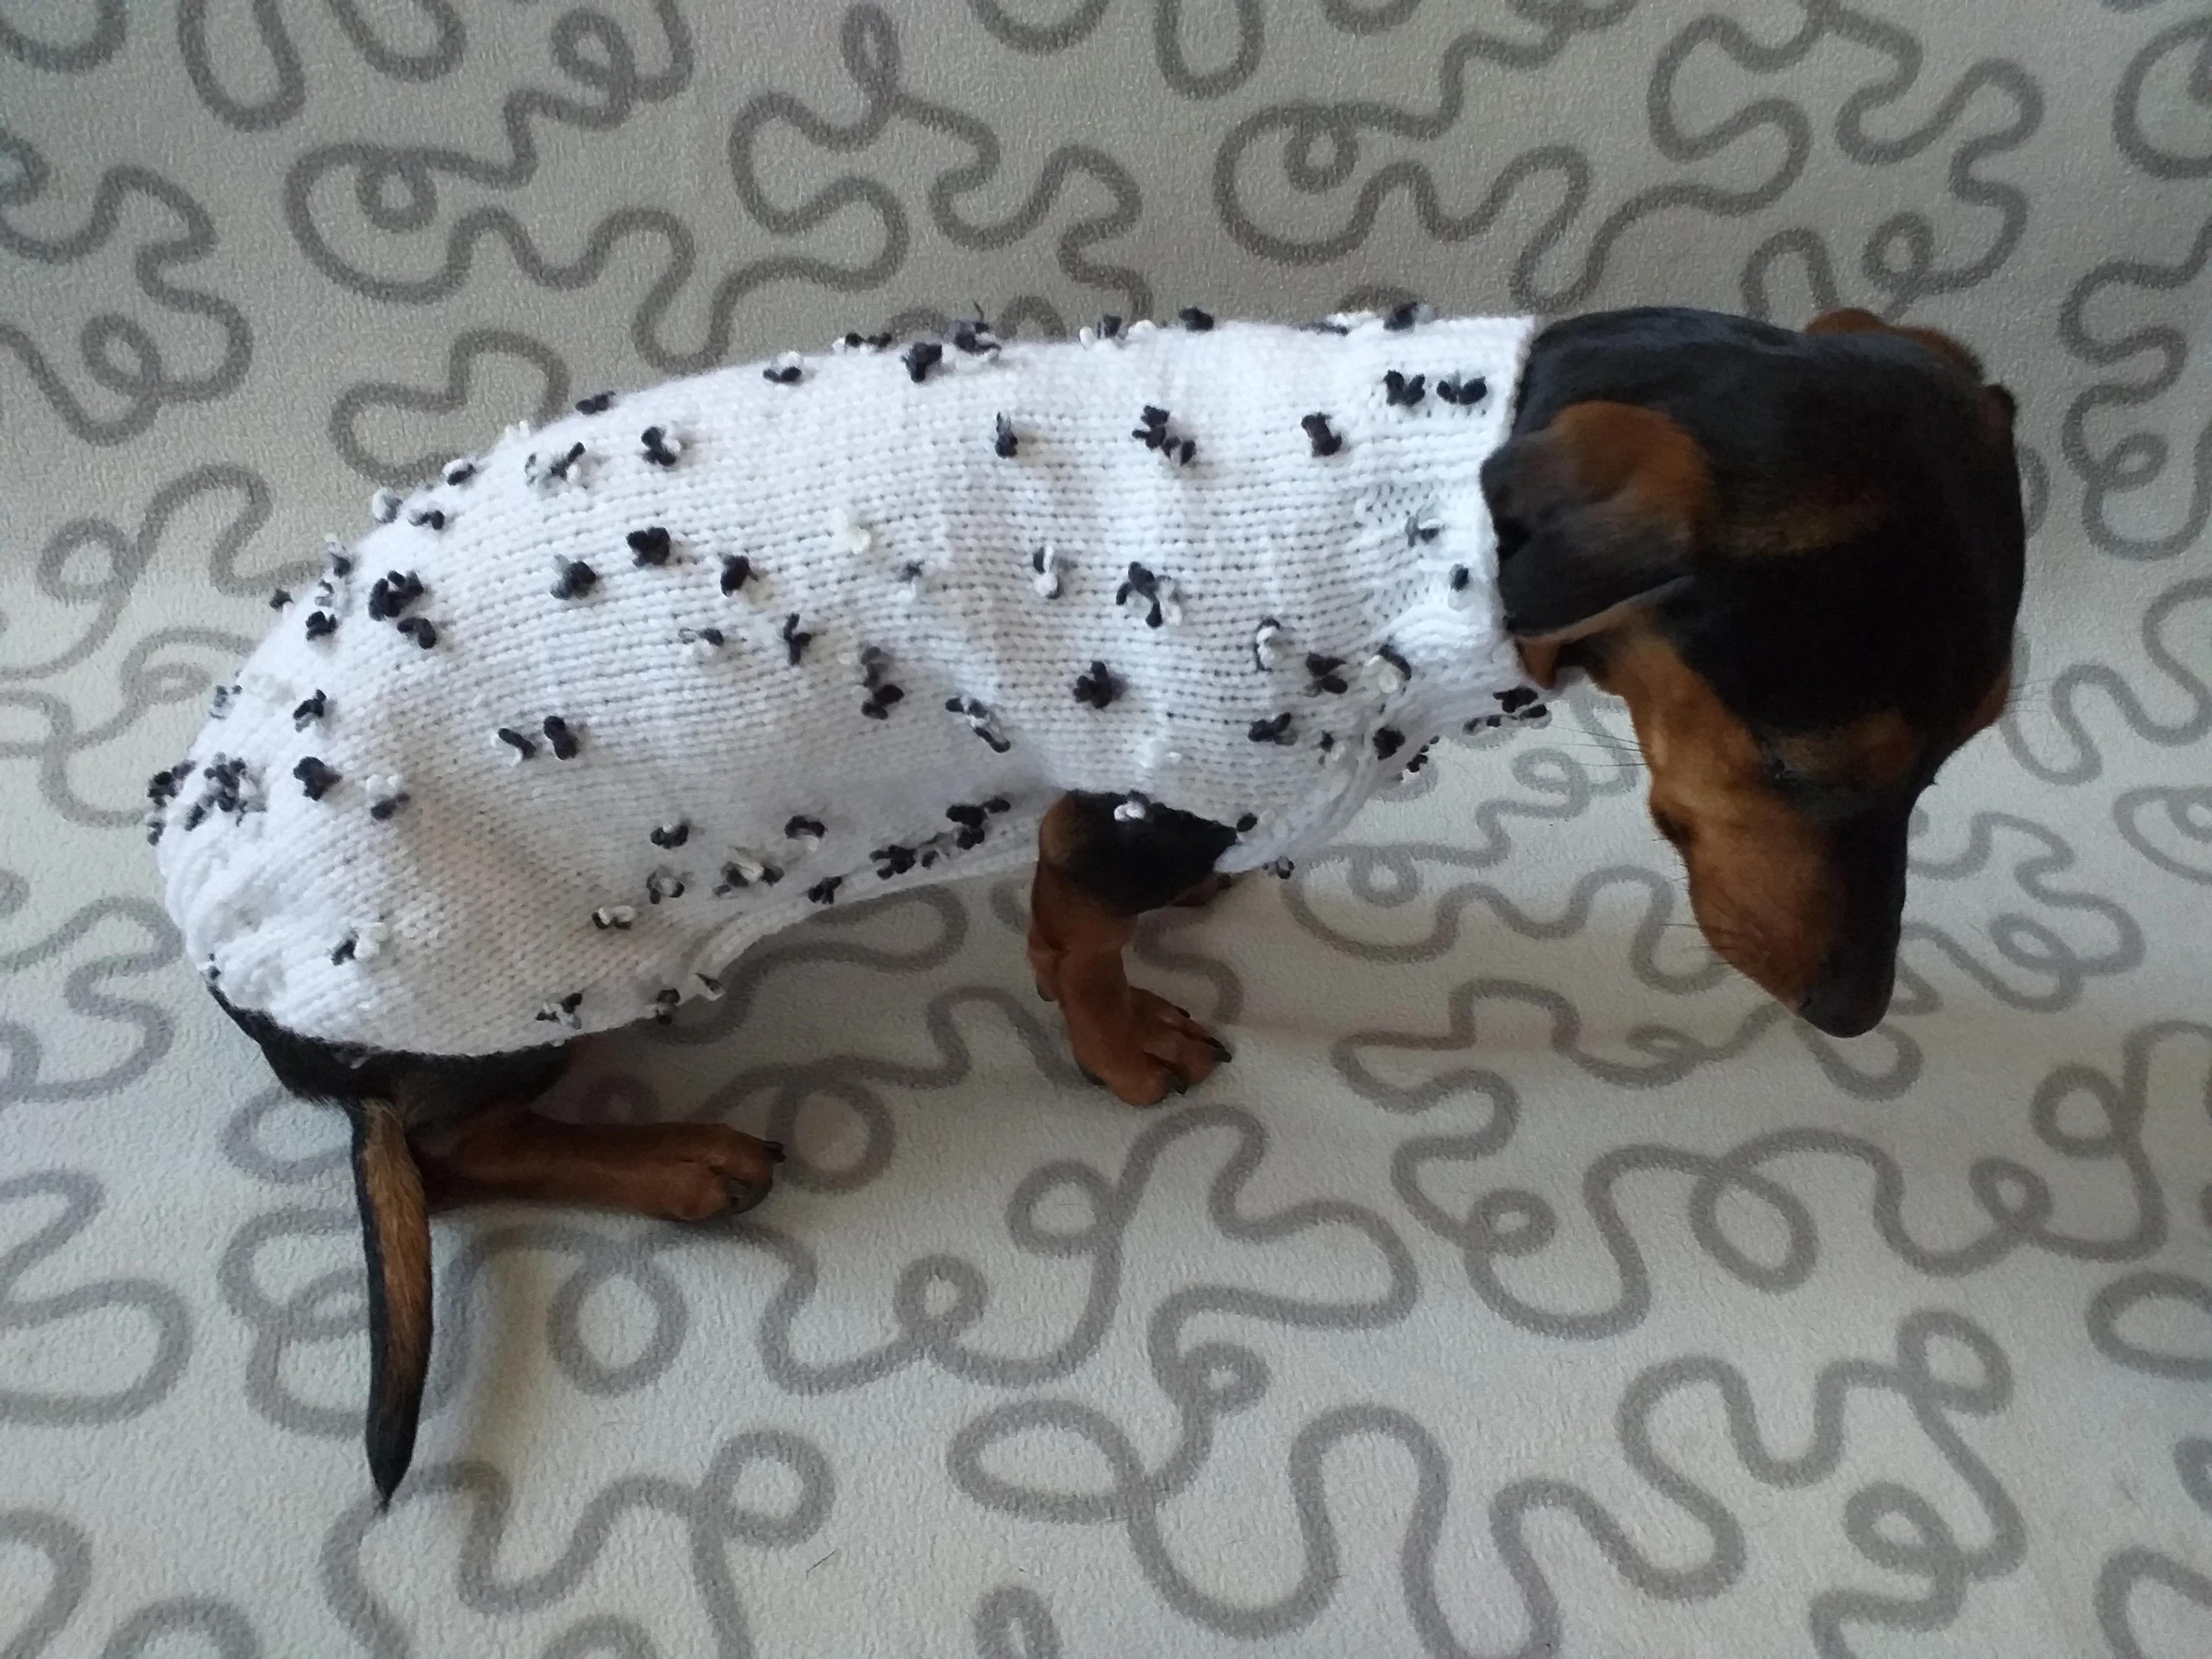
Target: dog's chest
(622,695)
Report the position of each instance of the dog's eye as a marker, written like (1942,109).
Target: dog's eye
(1778,774)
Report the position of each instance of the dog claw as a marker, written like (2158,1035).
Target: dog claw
(1221,1050)
(776,1154)
(745,1195)
(1089,1075)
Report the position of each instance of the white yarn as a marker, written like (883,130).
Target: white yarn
(972,587)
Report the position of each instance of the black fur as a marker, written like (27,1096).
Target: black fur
(1133,865)
(1821,637)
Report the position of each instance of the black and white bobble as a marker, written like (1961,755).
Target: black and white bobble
(1326,439)
(518,747)
(1131,808)
(669,836)
(1325,674)
(981,721)
(662,884)
(1044,570)
(1268,649)
(1388,670)
(649,548)
(386,795)
(309,711)
(659,446)
(572,579)
(364,942)
(616,918)
(1005,444)
(561,736)
(563,1012)
(785,369)
(921,357)
(1403,391)
(556,471)
(316,779)
(394,594)
(874,663)
(795,639)
(736,571)
(1162,598)
(1096,687)
(975,340)
(744,869)
(969,822)
(1154,432)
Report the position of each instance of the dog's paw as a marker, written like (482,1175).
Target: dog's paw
(698,1171)
(1158,1051)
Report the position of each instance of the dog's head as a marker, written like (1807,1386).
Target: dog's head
(1798,558)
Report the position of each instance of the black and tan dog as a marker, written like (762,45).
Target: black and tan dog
(1797,557)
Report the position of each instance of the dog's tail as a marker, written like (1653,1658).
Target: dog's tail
(395,1231)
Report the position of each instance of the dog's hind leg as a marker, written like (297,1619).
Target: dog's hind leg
(675,1171)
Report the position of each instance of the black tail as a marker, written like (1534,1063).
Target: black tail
(395,1231)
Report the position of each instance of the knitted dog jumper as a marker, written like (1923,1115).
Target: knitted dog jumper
(574,726)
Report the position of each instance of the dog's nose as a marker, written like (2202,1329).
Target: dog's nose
(1847,1005)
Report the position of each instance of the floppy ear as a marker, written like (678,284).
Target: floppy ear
(1998,399)
(1852,320)
(1596,514)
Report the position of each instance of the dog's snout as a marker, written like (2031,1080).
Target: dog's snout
(1849,1002)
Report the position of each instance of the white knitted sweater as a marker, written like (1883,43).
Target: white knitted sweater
(575,724)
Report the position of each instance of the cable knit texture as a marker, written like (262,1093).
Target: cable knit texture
(579,722)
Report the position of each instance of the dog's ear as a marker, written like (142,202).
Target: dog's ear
(1596,515)
(2002,406)
(1853,320)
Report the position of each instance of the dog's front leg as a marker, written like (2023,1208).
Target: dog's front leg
(1096,874)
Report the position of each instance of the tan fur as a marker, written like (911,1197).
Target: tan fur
(1646,464)
(675,1171)
(1759,885)
(1139,1044)
(1875,753)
